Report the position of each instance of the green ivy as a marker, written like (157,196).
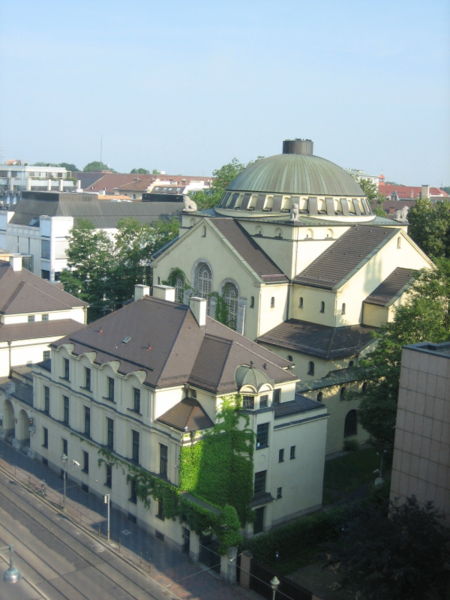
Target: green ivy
(217,469)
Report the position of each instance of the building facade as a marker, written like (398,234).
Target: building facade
(295,259)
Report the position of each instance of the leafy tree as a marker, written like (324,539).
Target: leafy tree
(155,172)
(374,197)
(429,226)
(424,317)
(222,178)
(44,164)
(103,270)
(140,171)
(96,165)
(403,555)
(68,166)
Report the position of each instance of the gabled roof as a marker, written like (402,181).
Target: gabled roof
(249,250)
(408,192)
(164,340)
(318,340)
(187,415)
(38,330)
(347,255)
(23,292)
(392,287)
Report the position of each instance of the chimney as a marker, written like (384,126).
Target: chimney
(425,191)
(15,261)
(140,291)
(78,185)
(298,146)
(164,292)
(198,307)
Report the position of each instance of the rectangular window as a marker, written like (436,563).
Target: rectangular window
(87,421)
(249,402)
(109,433)
(66,369)
(281,455)
(263,401)
(30,318)
(262,436)
(292,453)
(135,446)
(258,522)
(276,396)
(46,355)
(108,475)
(110,389)
(45,317)
(87,378)
(136,400)
(46,400)
(260,483)
(133,491)
(45,249)
(85,462)
(65,448)
(160,513)
(163,460)
(66,410)
(279,492)
(44,437)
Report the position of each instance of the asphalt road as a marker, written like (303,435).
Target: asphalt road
(60,561)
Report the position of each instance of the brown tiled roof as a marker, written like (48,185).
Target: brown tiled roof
(23,292)
(187,415)
(38,329)
(164,340)
(392,287)
(406,192)
(318,340)
(343,258)
(246,247)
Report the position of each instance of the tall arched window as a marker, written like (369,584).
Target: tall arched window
(203,280)
(179,289)
(230,296)
(351,424)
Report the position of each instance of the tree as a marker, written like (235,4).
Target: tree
(429,226)
(103,270)
(68,166)
(222,178)
(96,165)
(424,317)
(140,171)
(374,197)
(403,555)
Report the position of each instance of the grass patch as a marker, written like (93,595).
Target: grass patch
(348,473)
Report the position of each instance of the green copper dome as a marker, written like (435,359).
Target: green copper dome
(296,174)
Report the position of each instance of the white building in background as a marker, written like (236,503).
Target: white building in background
(17,177)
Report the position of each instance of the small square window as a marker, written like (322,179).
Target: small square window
(45,317)
(30,318)
(249,402)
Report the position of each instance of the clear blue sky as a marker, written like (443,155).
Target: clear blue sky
(185,86)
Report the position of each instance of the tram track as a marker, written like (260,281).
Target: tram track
(96,564)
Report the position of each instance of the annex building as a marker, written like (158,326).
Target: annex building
(294,258)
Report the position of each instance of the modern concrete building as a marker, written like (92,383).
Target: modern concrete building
(16,177)
(421,465)
(33,314)
(302,266)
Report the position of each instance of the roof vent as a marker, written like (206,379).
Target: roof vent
(126,339)
(298,146)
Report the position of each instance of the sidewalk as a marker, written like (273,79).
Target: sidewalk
(166,564)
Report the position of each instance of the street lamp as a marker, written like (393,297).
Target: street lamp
(274,583)
(107,501)
(11,575)
(64,461)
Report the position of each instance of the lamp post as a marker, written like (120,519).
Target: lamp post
(274,583)
(11,575)
(107,501)
(64,461)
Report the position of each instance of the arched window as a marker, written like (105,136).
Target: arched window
(203,280)
(342,392)
(351,424)
(179,288)
(230,296)
(311,367)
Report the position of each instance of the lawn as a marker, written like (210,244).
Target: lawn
(348,476)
